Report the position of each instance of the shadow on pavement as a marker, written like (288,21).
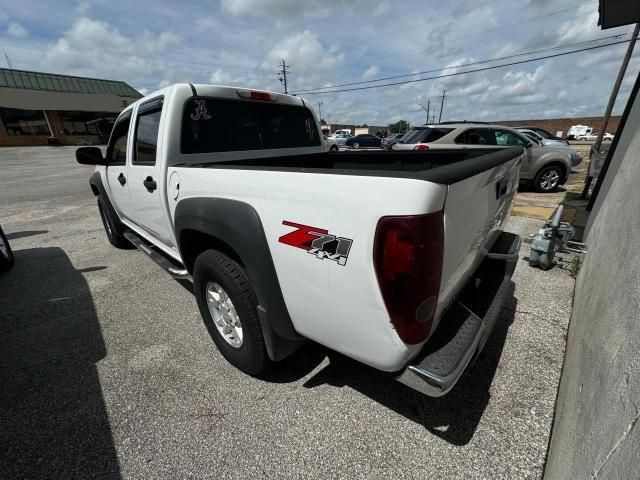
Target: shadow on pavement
(454,417)
(25,234)
(53,421)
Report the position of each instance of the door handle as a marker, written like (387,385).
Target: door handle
(122,179)
(150,184)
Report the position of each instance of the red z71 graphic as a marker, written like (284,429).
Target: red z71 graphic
(318,242)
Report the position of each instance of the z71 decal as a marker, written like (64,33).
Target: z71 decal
(318,242)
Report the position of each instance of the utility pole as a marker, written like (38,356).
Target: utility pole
(426,109)
(320,110)
(282,75)
(612,101)
(444,94)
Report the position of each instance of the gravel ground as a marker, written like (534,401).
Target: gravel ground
(107,370)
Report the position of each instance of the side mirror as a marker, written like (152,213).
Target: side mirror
(90,156)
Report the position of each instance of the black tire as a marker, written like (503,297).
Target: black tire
(213,266)
(6,254)
(334,148)
(355,145)
(539,183)
(112,228)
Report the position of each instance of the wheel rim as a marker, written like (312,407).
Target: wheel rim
(224,314)
(549,179)
(356,145)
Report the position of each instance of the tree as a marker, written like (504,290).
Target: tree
(323,121)
(400,126)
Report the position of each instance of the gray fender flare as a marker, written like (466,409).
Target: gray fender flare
(238,225)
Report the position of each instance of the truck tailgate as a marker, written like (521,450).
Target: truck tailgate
(475,209)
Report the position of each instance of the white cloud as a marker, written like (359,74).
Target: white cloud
(304,52)
(97,48)
(16,30)
(370,72)
(281,9)
(382,8)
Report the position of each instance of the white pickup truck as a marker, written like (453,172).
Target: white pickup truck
(396,259)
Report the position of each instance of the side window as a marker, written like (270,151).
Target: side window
(117,149)
(477,136)
(511,139)
(147,126)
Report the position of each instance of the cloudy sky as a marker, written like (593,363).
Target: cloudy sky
(333,42)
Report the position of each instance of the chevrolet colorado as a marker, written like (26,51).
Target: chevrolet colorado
(396,259)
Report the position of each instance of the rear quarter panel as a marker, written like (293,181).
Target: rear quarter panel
(337,306)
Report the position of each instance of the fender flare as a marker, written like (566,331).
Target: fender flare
(95,181)
(238,225)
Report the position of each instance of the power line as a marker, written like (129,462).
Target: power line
(496,28)
(465,72)
(479,62)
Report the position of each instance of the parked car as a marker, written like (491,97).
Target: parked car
(545,167)
(391,140)
(576,157)
(544,133)
(342,132)
(314,258)
(6,254)
(539,138)
(339,138)
(364,140)
(592,136)
(333,146)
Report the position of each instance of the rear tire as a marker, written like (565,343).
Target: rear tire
(214,271)
(548,179)
(334,148)
(356,145)
(6,254)
(113,229)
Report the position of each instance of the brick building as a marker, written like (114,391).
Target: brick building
(554,125)
(44,108)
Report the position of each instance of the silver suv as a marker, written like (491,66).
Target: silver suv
(544,166)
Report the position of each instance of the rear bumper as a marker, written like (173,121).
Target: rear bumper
(467,324)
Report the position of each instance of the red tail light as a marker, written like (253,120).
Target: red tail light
(407,255)
(421,146)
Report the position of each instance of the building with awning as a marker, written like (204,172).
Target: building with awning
(45,108)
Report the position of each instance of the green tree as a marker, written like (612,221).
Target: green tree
(323,121)
(400,126)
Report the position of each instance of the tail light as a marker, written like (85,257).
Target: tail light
(421,146)
(408,252)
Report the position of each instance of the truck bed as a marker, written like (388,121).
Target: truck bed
(439,166)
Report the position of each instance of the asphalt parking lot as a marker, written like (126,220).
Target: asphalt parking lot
(107,370)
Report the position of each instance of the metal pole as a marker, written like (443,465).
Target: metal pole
(607,113)
(284,76)
(616,88)
(444,93)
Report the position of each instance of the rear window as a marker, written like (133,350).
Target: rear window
(217,125)
(425,135)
